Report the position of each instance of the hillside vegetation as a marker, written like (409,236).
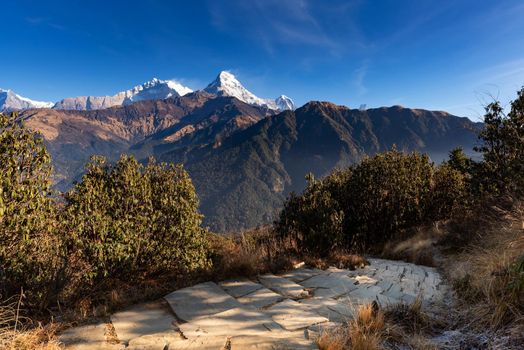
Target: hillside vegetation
(126,226)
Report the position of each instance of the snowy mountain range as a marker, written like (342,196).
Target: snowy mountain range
(9,101)
(152,90)
(225,84)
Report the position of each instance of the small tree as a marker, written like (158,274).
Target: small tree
(502,146)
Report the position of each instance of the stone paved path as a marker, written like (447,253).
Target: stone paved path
(271,312)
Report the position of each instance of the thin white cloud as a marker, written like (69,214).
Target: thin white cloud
(359,79)
(272,23)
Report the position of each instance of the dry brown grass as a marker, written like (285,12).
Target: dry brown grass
(398,326)
(250,253)
(486,275)
(340,259)
(367,331)
(18,333)
(420,248)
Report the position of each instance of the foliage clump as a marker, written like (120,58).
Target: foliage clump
(31,254)
(124,221)
(128,219)
(371,203)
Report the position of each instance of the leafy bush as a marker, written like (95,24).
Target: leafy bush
(387,192)
(30,250)
(129,220)
(314,219)
(370,203)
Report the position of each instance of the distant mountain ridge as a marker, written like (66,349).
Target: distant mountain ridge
(243,161)
(154,89)
(226,84)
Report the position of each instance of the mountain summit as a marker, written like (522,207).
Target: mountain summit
(154,89)
(9,101)
(226,84)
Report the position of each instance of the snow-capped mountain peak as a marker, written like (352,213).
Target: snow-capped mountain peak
(285,103)
(155,89)
(226,84)
(10,101)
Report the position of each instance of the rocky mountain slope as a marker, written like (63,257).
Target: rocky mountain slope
(144,128)
(10,101)
(243,162)
(253,170)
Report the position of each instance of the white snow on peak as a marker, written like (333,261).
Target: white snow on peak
(10,101)
(226,84)
(285,103)
(155,89)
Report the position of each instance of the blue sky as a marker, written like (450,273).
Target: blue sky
(445,55)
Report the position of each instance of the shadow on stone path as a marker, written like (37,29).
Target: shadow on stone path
(272,312)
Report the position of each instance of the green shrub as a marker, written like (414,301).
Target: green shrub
(449,191)
(131,221)
(371,203)
(314,219)
(387,192)
(31,255)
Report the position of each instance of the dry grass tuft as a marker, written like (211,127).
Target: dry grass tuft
(17,332)
(340,259)
(250,253)
(409,317)
(348,261)
(399,326)
(367,331)
(489,275)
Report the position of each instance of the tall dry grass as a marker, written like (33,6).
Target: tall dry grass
(19,333)
(397,326)
(489,274)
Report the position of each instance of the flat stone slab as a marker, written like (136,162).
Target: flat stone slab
(330,286)
(292,315)
(155,341)
(289,341)
(322,307)
(91,337)
(240,287)
(283,286)
(163,341)
(299,275)
(200,300)
(260,298)
(142,320)
(360,296)
(238,321)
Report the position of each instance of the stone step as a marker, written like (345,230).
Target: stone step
(150,318)
(260,298)
(283,286)
(233,322)
(330,286)
(90,337)
(292,315)
(200,300)
(239,287)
